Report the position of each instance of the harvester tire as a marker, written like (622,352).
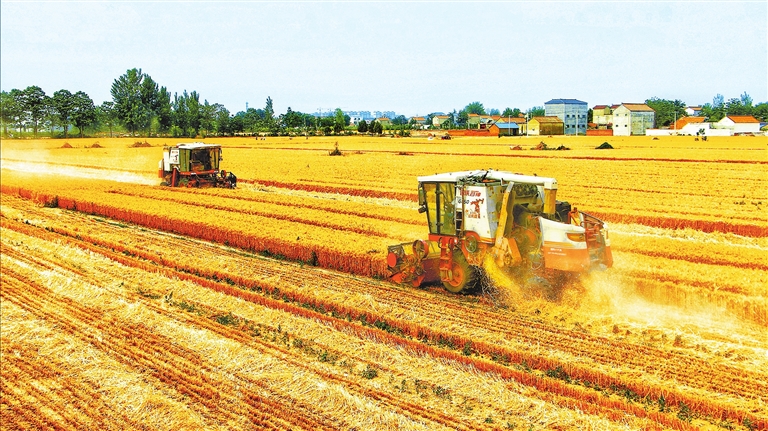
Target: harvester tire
(463,275)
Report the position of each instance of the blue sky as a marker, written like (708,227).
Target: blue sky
(409,57)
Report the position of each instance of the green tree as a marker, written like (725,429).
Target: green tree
(746,99)
(714,111)
(149,100)
(83,111)
(34,103)
(269,117)
(509,112)
(164,111)
(237,122)
(740,106)
(180,114)
(338,121)
(128,96)
(309,121)
(462,119)
(536,111)
(494,111)
(475,108)
(193,113)
(63,104)
(400,120)
(362,126)
(292,119)
(667,111)
(10,110)
(761,111)
(23,115)
(106,115)
(222,119)
(207,118)
(718,101)
(254,119)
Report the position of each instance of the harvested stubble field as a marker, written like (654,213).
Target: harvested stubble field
(127,305)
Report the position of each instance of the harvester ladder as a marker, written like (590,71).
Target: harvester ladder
(446,244)
(460,214)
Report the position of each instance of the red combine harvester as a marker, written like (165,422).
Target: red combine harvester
(511,218)
(194,165)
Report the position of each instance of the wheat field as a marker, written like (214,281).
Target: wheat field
(126,305)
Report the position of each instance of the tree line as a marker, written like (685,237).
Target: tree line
(667,111)
(141,106)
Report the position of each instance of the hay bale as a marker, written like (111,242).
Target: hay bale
(604,146)
(66,145)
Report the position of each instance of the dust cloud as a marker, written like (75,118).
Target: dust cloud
(79,172)
(607,304)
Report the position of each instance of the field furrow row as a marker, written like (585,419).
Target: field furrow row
(515,355)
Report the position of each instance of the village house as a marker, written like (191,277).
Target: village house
(689,125)
(602,116)
(418,120)
(439,120)
(633,119)
(572,112)
(479,121)
(739,124)
(504,128)
(693,111)
(547,125)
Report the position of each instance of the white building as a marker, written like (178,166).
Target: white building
(633,119)
(739,124)
(693,111)
(572,112)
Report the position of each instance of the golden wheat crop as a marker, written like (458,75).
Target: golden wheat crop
(169,310)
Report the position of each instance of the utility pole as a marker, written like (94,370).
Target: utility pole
(527,114)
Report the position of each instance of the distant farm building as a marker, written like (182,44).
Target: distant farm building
(572,112)
(521,122)
(688,125)
(739,124)
(602,117)
(504,128)
(633,119)
(440,120)
(478,121)
(547,125)
(693,111)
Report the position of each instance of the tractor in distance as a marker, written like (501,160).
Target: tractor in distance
(194,164)
(512,219)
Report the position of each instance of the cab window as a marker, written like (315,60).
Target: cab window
(440,200)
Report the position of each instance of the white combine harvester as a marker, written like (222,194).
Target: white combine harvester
(513,219)
(194,164)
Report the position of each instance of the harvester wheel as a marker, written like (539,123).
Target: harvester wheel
(463,275)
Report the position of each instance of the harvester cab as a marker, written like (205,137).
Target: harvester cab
(194,165)
(513,219)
